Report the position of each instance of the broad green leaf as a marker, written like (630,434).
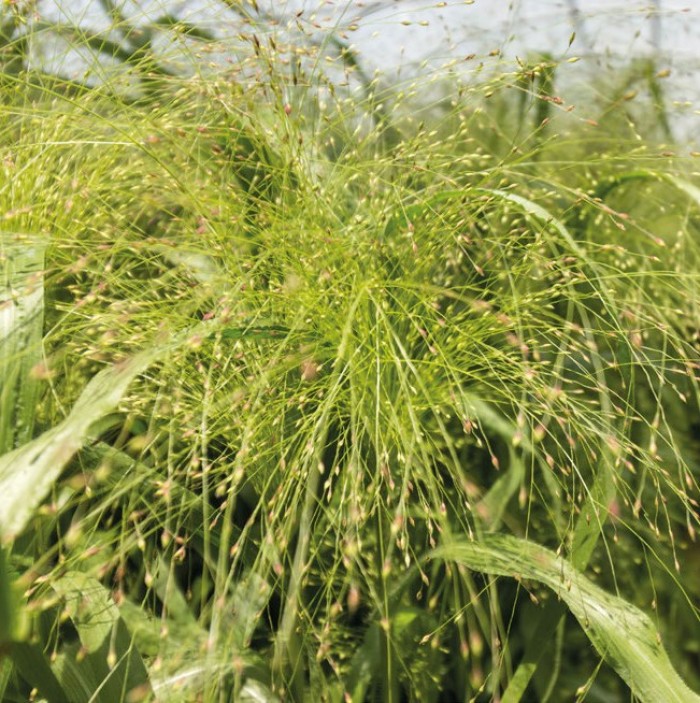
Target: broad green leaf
(28,472)
(106,666)
(174,601)
(7,608)
(90,607)
(146,629)
(183,644)
(255,332)
(594,514)
(623,635)
(21,323)
(547,623)
(34,667)
(250,596)
(114,672)
(12,620)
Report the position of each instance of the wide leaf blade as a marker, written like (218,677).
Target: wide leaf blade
(623,635)
(28,472)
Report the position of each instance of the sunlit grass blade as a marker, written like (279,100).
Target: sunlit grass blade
(28,472)
(623,635)
(21,330)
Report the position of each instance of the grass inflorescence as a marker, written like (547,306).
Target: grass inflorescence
(326,394)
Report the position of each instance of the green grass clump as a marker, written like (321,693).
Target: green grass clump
(338,404)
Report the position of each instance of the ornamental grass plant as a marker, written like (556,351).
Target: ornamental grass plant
(315,392)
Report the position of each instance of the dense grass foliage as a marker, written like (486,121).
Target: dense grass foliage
(319,393)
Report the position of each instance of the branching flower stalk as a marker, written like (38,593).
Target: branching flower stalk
(332,393)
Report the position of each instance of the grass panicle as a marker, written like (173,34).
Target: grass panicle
(314,391)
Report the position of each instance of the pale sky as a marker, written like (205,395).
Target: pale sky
(403,37)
